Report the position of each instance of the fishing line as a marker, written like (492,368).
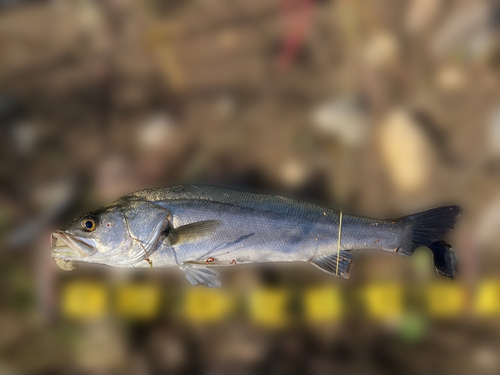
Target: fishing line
(146,256)
(338,244)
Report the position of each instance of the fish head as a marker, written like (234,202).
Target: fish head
(124,233)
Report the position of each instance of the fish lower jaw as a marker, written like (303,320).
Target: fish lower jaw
(61,250)
(65,245)
(58,254)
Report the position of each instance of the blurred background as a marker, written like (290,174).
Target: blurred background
(379,108)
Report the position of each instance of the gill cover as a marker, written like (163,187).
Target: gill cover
(146,226)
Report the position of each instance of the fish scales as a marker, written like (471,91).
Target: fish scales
(266,228)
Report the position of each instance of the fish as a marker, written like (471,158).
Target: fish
(199,228)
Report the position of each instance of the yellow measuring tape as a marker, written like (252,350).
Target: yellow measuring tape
(338,244)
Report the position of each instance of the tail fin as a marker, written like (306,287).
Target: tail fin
(445,260)
(428,228)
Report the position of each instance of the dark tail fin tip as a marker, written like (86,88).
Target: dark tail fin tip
(445,259)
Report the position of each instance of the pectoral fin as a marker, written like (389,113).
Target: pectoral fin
(328,264)
(202,276)
(193,232)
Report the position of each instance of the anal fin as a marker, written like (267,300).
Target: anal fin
(202,276)
(328,264)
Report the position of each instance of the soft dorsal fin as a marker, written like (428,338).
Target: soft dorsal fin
(328,263)
(193,232)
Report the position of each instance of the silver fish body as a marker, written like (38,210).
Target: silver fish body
(200,227)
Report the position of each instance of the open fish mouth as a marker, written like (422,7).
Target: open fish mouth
(65,246)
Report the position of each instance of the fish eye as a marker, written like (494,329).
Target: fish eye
(88,224)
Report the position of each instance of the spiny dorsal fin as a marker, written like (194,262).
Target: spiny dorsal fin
(328,263)
(193,232)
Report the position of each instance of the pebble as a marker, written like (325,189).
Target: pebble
(405,151)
